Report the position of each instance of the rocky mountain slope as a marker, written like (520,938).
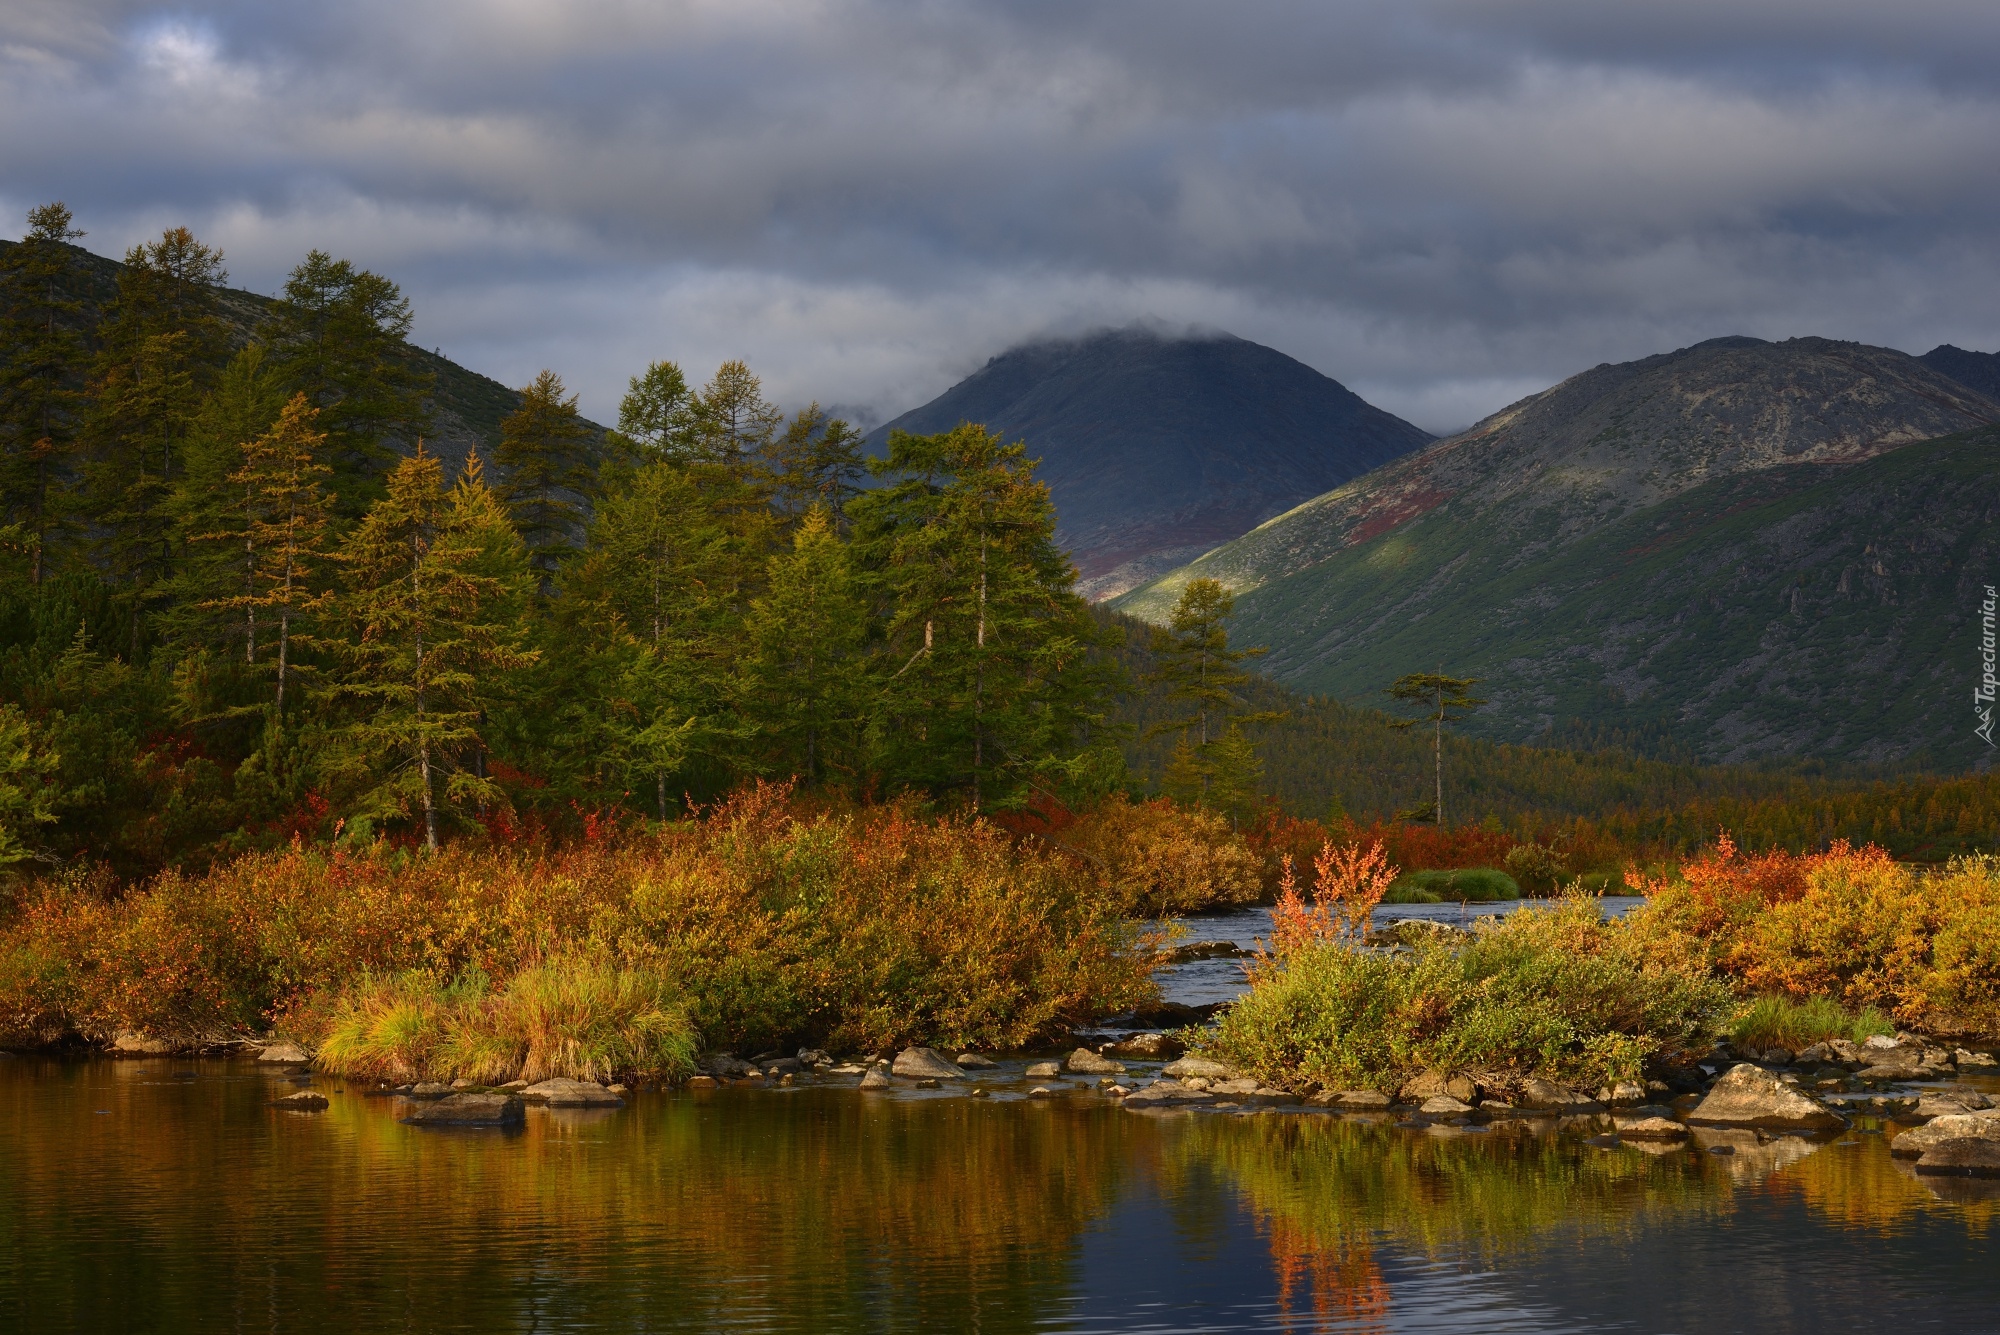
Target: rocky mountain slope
(1158,448)
(1740,545)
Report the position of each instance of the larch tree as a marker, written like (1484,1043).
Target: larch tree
(1444,700)
(163,347)
(337,333)
(656,418)
(732,420)
(1202,676)
(284,531)
(432,614)
(988,654)
(815,461)
(807,633)
(42,361)
(548,473)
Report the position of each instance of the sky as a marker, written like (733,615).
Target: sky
(1444,204)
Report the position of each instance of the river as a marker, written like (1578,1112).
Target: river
(167,1195)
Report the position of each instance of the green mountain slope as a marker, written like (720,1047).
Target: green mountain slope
(1728,547)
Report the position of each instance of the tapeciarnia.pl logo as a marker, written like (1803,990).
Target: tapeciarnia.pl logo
(1982,694)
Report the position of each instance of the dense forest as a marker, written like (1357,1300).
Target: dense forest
(247,597)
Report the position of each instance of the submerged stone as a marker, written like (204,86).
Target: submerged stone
(471,1110)
(563,1093)
(303,1101)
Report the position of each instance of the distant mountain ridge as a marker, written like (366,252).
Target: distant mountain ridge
(1156,448)
(1552,551)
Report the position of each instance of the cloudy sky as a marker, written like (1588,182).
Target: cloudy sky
(1444,204)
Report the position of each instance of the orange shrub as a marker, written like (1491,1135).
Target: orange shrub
(1160,859)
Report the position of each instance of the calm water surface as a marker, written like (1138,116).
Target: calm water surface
(165,1195)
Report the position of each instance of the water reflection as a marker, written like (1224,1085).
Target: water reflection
(167,1196)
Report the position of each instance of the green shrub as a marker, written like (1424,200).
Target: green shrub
(1552,991)
(1779,1022)
(1479,885)
(1402,892)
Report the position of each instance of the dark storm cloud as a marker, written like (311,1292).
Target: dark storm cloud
(1444,204)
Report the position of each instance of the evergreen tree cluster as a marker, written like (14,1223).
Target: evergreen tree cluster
(241,601)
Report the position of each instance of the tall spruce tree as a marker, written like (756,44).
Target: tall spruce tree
(42,359)
(989,678)
(432,615)
(548,472)
(337,334)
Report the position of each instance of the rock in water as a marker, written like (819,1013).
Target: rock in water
(284,1052)
(304,1101)
(132,1043)
(924,1064)
(1148,1047)
(1353,1100)
(430,1090)
(562,1093)
(1204,1067)
(1434,1082)
(1957,1126)
(1651,1128)
(1444,1105)
(1044,1071)
(1539,1095)
(877,1078)
(1085,1062)
(1962,1157)
(471,1110)
(972,1061)
(1751,1096)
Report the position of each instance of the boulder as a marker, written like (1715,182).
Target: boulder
(1041,1092)
(429,1089)
(972,1061)
(725,1067)
(702,1082)
(814,1057)
(471,1110)
(924,1064)
(1622,1094)
(1968,1059)
(1239,1086)
(1205,1067)
(131,1043)
(1651,1128)
(1751,1096)
(1885,1072)
(875,1078)
(1962,1157)
(561,1093)
(1539,1095)
(1085,1062)
(1044,1071)
(1202,950)
(1147,1047)
(1955,1126)
(303,1101)
(1444,1105)
(1947,1102)
(284,1051)
(1435,1082)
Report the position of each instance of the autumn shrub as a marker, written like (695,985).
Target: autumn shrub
(1158,858)
(1552,991)
(1850,925)
(761,921)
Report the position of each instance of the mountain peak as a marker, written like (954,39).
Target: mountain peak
(1159,443)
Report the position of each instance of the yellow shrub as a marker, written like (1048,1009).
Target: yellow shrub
(1161,859)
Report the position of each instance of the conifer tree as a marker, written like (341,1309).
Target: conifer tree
(656,418)
(989,678)
(816,462)
(1220,766)
(163,348)
(549,474)
(1446,700)
(432,615)
(732,420)
(285,520)
(337,334)
(42,359)
(807,632)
